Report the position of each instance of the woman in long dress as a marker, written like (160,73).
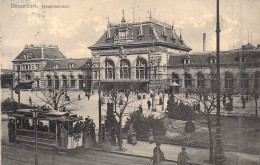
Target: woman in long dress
(150,136)
(158,155)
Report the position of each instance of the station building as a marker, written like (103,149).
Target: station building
(135,52)
(44,67)
(151,52)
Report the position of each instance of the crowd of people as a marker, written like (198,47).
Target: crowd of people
(89,136)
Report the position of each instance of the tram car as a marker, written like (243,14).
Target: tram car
(49,128)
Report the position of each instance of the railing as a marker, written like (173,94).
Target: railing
(30,133)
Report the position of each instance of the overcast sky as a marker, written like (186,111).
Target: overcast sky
(75,28)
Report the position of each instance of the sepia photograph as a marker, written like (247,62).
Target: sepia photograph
(130,82)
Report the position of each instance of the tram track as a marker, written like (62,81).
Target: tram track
(88,157)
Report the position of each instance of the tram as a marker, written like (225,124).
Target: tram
(49,126)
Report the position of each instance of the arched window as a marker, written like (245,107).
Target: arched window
(125,70)
(243,80)
(141,69)
(80,81)
(27,77)
(109,69)
(213,82)
(187,80)
(175,78)
(49,81)
(72,81)
(229,80)
(64,80)
(57,83)
(200,80)
(257,80)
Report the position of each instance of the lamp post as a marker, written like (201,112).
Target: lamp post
(99,107)
(19,90)
(35,117)
(219,156)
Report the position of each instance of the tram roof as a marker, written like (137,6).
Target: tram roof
(48,115)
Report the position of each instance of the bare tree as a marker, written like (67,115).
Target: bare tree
(207,98)
(162,86)
(55,98)
(121,95)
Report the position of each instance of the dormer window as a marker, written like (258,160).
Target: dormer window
(71,65)
(186,60)
(164,33)
(55,66)
(108,33)
(26,56)
(242,59)
(213,60)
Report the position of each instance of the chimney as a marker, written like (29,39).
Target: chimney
(204,42)
(42,52)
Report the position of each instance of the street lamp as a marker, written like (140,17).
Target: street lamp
(219,156)
(35,117)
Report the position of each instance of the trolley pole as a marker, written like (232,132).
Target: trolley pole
(99,108)
(219,155)
(19,91)
(35,115)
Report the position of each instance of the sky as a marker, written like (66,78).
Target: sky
(76,28)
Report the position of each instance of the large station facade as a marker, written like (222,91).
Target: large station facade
(151,53)
(135,52)
(148,53)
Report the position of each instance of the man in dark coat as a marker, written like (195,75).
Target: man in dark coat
(149,104)
(11,131)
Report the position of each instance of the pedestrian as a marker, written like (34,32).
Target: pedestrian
(187,94)
(79,97)
(30,101)
(243,102)
(11,131)
(107,142)
(134,140)
(129,134)
(150,138)
(183,157)
(224,100)
(140,109)
(63,137)
(149,104)
(158,155)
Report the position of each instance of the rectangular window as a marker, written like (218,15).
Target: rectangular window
(37,66)
(72,83)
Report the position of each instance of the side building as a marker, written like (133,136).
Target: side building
(239,70)
(44,67)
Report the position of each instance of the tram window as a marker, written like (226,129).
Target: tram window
(43,126)
(18,123)
(52,126)
(27,124)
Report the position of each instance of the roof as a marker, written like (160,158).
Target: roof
(248,46)
(62,64)
(162,35)
(226,58)
(36,52)
(6,71)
